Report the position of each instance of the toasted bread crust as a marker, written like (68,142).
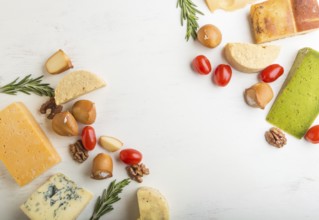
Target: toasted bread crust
(276,19)
(306,14)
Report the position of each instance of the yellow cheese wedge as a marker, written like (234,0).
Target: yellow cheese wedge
(76,84)
(152,204)
(24,148)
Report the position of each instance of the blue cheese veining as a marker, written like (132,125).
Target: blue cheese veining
(58,198)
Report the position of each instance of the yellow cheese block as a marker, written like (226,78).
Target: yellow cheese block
(24,148)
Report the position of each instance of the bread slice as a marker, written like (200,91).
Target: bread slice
(76,84)
(250,58)
(276,19)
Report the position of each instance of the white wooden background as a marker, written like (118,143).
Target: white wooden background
(204,146)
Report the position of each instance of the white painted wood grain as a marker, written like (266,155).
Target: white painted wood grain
(203,145)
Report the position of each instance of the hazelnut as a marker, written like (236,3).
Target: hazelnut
(102,166)
(209,36)
(259,95)
(64,124)
(84,111)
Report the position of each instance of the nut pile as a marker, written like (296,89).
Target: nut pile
(137,171)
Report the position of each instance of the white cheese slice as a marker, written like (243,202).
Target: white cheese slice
(57,199)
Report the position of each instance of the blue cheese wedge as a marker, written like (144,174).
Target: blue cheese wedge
(58,198)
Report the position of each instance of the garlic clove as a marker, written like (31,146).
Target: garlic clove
(259,95)
(110,143)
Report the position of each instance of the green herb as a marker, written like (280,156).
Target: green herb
(28,85)
(188,13)
(104,203)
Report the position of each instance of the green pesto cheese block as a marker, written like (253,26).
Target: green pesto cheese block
(297,104)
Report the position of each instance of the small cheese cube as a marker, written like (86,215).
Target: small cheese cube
(24,148)
(57,199)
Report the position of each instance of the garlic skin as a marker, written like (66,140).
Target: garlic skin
(259,95)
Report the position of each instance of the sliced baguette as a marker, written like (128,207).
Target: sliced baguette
(76,84)
(250,58)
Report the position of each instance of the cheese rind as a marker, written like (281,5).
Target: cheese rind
(297,104)
(57,199)
(24,148)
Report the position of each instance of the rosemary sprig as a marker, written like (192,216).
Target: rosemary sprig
(28,85)
(104,203)
(188,13)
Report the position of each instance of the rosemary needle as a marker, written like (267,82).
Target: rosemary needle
(188,13)
(28,85)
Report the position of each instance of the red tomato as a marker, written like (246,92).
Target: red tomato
(222,74)
(130,156)
(201,65)
(312,134)
(271,73)
(88,138)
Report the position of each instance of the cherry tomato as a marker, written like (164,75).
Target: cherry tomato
(312,134)
(130,156)
(271,73)
(222,74)
(201,65)
(88,138)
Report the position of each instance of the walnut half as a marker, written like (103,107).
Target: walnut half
(52,107)
(275,137)
(137,171)
(79,153)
